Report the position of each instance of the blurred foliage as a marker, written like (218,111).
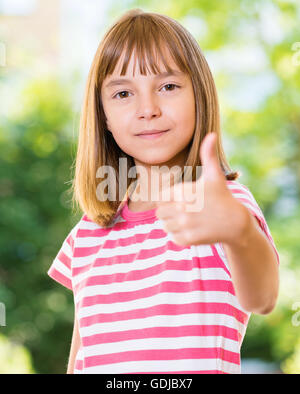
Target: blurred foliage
(292,364)
(261,139)
(14,358)
(35,217)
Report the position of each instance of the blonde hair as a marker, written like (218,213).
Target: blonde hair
(144,32)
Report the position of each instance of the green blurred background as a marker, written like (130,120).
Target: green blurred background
(46,48)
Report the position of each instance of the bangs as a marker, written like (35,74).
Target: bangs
(143,36)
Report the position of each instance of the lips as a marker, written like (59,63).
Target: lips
(152,134)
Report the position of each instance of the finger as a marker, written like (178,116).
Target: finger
(180,239)
(171,226)
(175,193)
(211,168)
(168,210)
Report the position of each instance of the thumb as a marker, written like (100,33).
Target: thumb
(211,168)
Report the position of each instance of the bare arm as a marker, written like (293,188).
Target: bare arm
(254,268)
(75,345)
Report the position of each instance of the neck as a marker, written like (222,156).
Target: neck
(153,179)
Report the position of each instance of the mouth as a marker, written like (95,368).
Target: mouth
(153,135)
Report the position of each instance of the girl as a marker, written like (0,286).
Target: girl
(158,287)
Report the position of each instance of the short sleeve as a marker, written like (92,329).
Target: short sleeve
(243,194)
(61,268)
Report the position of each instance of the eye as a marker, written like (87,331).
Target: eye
(125,91)
(171,84)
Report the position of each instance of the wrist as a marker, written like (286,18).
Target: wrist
(245,226)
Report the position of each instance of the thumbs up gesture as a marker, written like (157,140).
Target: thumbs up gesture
(214,215)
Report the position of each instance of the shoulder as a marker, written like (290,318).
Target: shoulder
(78,226)
(242,193)
(238,187)
(83,223)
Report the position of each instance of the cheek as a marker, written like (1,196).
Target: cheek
(121,129)
(119,121)
(186,121)
(184,110)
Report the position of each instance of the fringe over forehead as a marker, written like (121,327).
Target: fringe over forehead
(149,36)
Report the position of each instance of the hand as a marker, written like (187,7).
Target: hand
(214,216)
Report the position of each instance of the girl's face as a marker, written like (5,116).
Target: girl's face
(136,103)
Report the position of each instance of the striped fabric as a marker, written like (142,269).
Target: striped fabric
(148,305)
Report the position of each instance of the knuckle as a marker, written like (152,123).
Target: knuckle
(188,236)
(183,220)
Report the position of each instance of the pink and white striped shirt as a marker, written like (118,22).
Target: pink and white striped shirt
(147,305)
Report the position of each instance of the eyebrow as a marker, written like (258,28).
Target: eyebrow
(120,81)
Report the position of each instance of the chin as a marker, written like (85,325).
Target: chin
(155,161)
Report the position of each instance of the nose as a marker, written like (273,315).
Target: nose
(148,106)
